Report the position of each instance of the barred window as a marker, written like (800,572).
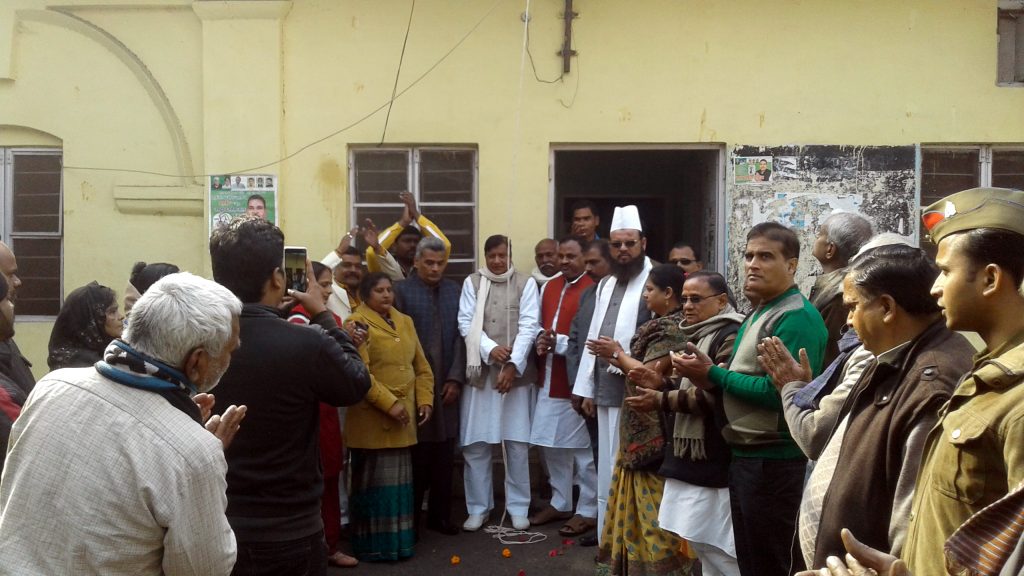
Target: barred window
(442,179)
(33,226)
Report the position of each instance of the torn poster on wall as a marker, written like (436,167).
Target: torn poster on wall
(803,185)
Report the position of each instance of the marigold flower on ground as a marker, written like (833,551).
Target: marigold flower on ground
(506,553)
(455,560)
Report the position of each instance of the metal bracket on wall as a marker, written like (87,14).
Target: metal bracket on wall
(567,52)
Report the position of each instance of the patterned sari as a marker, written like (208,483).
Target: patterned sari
(632,543)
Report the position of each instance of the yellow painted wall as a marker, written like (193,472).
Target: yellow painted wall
(181,87)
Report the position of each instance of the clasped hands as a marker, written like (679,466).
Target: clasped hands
(502,355)
(401,415)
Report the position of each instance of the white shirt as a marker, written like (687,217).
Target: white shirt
(106,479)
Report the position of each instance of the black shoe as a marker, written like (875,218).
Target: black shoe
(445,528)
(587,541)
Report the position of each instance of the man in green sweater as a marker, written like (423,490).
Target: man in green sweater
(767,471)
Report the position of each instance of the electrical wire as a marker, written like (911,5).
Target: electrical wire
(512,535)
(530,55)
(302,149)
(398,72)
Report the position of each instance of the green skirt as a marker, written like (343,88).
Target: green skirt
(381,504)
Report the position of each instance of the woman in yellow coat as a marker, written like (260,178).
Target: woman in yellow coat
(380,430)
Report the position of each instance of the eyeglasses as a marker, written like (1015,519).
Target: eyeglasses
(618,244)
(696,299)
(681,261)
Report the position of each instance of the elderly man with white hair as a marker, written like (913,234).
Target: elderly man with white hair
(110,469)
(840,236)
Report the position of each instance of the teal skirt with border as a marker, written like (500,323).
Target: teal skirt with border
(381,504)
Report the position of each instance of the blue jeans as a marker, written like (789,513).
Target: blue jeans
(303,557)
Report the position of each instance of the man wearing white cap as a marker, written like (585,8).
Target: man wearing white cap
(618,312)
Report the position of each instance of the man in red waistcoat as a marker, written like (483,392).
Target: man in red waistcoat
(558,429)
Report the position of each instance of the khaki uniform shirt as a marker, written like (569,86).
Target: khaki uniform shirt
(973,456)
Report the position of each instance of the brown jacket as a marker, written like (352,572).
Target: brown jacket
(890,410)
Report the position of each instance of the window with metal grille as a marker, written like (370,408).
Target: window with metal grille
(33,226)
(949,169)
(442,179)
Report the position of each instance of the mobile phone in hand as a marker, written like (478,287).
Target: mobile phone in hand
(295,268)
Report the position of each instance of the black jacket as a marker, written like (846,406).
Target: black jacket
(282,372)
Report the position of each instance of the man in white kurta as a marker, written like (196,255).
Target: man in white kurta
(506,325)
(617,313)
(107,477)
(558,429)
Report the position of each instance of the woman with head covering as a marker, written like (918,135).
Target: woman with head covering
(87,322)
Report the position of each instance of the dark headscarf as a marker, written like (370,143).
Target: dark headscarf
(79,335)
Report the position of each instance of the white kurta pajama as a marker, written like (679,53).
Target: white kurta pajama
(488,417)
(562,435)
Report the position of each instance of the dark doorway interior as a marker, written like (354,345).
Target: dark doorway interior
(675,191)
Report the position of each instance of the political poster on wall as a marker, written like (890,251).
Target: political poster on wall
(232,195)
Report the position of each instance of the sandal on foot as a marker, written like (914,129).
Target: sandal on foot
(343,560)
(578,525)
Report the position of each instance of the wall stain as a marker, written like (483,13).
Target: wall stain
(331,182)
(761,120)
(87,191)
(625,115)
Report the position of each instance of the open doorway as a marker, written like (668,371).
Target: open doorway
(676,189)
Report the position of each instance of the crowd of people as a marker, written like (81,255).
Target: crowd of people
(680,427)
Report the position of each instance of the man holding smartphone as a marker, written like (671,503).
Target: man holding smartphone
(281,372)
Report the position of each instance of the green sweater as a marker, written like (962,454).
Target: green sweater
(756,425)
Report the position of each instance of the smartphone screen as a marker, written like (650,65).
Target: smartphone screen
(295,267)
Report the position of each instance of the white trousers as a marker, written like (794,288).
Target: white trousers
(561,462)
(607,452)
(479,478)
(714,561)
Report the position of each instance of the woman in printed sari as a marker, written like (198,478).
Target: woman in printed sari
(381,429)
(633,542)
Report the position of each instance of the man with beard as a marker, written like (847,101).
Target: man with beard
(282,373)
(545,254)
(618,312)
(766,475)
(110,470)
(12,364)
(557,428)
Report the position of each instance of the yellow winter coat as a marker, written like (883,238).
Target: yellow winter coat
(399,371)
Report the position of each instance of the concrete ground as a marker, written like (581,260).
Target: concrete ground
(481,554)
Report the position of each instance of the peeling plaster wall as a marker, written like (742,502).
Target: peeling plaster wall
(810,182)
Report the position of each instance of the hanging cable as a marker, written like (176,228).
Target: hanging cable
(398,72)
(319,140)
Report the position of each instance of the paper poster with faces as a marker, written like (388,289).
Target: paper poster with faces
(232,195)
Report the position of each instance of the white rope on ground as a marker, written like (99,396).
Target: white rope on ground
(511,535)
